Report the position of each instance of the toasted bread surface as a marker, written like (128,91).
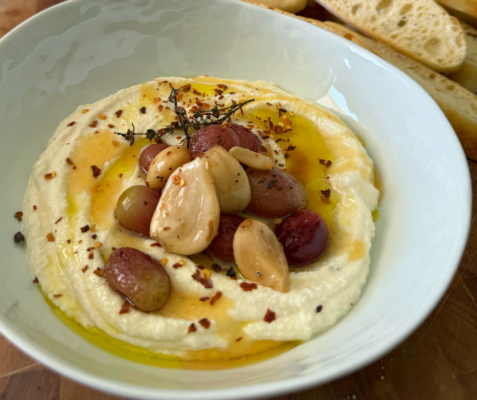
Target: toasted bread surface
(421,29)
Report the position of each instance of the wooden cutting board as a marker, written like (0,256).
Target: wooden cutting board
(438,362)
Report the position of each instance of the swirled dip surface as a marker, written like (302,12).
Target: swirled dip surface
(71,230)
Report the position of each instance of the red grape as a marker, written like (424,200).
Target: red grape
(222,245)
(305,237)
(275,194)
(247,138)
(149,153)
(206,138)
(138,277)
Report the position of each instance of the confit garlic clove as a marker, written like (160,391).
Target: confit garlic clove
(231,182)
(165,163)
(251,159)
(260,256)
(187,216)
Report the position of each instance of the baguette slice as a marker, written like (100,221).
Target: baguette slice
(458,104)
(464,9)
(421,29)
(350,35)
(467,75)
(291,6)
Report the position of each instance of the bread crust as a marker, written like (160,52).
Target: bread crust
(468,7)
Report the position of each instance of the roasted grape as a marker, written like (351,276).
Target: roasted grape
(247,138)
(138,277)
(275,194)
(305,237)
(210,136)
(135,208)
(149,153)
(222,245)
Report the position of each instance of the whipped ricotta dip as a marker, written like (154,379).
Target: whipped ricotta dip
(71,230)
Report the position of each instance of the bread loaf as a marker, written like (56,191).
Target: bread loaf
(421,29)
(467,75)
(457,103)
(464,9)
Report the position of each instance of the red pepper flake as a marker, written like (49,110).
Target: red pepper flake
(111,126)
(99,272)
(204,298)
(351,304)
(84,269)
(85,228)
(232,92)
(326,193)
(207,283)
(68,241)
(96,171)
(186,88)
(18,237)
(221,85)
(91,256)
(325,200)
(94,124)
(291,148)
(205,323)
(269,103)
(143,110)
(177,265)
(239,339)
(91,248)
(270,316)
(155,245)
(19,215)
(319,308)
(166,228)
(94,236)
(125,308)
(57,295)
(118,113)
(35,208)
(160,107)
(214,299)
(192,328)
(50,237)
(58,220)
(326,163)
(248,287)
(218,91)
(281,111)
(36,280)
(69,161)
(50,175)
(278,129)
(72,123)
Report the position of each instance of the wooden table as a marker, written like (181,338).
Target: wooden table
(438,362)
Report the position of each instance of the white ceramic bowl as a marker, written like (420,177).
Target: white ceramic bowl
(81,51)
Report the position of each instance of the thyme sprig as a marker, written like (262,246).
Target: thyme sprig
(199,119)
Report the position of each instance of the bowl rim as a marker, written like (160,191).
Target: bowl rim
(115,387)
